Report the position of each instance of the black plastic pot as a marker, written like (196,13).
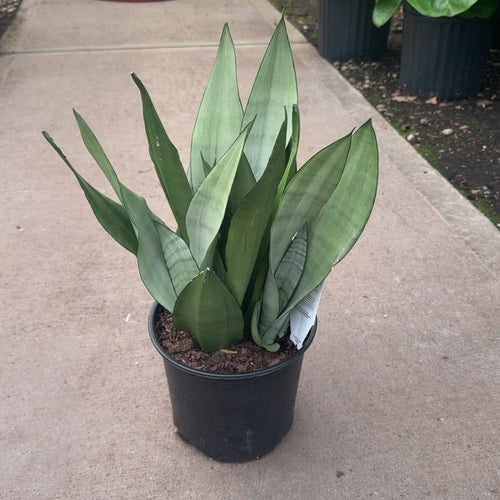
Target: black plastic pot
(443,56)
(231,417)
(495,40)
(346,31)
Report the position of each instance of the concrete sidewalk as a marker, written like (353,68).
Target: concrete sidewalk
(399,393)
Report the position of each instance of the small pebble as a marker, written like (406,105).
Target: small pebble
(447,131)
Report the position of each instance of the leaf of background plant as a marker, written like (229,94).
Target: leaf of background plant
(274,89)
(208,311)
(111,215)
(220,114)
(384,10)
(166,160)
(208,206)
(247,232)
(483,9)
(440,8)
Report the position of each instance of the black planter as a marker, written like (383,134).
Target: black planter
(346,31)
(495,40)
(443,56)
(231,417)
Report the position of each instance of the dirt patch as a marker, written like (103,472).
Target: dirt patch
(243,357)
(461,139)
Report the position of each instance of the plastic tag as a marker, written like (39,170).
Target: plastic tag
(303,316)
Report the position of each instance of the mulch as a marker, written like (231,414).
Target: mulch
(243,357)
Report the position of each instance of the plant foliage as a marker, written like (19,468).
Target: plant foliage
(254,236)
(384,9)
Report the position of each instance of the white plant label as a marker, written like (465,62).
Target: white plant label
(303,316)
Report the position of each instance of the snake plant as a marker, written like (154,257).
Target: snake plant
(255,235)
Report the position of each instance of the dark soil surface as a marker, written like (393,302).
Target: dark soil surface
(243,357)
(461,139)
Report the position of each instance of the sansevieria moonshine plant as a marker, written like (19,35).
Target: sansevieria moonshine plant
(255,235)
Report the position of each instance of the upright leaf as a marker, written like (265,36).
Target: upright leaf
(165,262)
(292,149)
(208,206)
(111,215)
(166,160)
(243,183)
(345,214)
(333,230)
(306,195)
(269,306)
(274,89)
(279,287)
(208,311)
(249,224)
(95,149)
(220,114)
(291,266)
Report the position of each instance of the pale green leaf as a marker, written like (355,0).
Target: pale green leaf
(165,262)
(291,266)
(208,206)
(178,259)
(270,303)
(248,232)
(335,229)
(341,222)
(279,288)
(273,347)
(111,215)
(166,160)
(274,89)
(306,195)
(95,149)
(243,183)
(157,246)
(220,114)
(208,311)
(291,167)
(303,199)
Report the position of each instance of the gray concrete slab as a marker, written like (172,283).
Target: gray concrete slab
(398,395)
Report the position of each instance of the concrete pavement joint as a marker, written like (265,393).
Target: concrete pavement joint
(131,48)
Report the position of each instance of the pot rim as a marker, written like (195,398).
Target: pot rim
(224,375)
